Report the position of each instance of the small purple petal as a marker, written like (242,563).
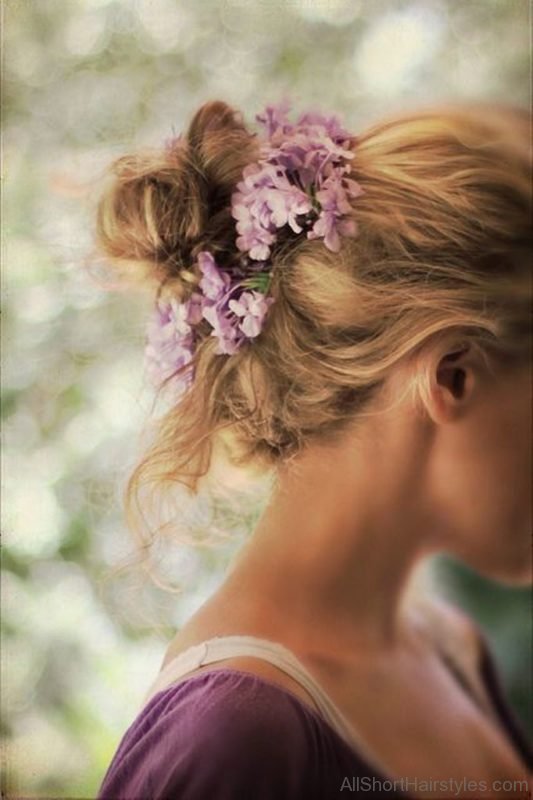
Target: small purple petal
(275,117)
(214,282)
(194,308)
(224,329)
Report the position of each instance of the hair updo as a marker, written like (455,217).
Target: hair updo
(443,247)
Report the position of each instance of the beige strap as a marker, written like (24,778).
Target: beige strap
(457,644)
(220,648)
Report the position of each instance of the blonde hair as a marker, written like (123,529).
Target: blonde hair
(443,249)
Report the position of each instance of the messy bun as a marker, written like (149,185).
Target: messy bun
(443,249)
(163,207)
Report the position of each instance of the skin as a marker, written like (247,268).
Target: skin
(450,472)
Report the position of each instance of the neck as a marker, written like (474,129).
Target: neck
(332,555)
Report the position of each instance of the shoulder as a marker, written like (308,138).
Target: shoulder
(242,705)
(220,734)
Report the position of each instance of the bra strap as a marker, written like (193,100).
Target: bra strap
(220,648)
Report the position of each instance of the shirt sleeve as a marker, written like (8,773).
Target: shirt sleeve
(224,735)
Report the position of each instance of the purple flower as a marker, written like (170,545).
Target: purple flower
(194,306)
(334,202)
(214,282)
(253,223)
(216,289)
(286,205)
(274,118)
(253,239)
(251,308)
(224,327)
(266,200)
(170,343)
(331,125)
(299,181)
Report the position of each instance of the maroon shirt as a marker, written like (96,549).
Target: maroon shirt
(226,734)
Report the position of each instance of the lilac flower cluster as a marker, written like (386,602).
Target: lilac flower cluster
(234,310)
(300,183)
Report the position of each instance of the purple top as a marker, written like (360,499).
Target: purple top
(226,734)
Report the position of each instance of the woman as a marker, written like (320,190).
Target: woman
(352,313)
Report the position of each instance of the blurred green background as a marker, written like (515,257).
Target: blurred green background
(84,81)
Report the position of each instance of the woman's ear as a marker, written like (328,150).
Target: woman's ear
(453,380)
(452,373)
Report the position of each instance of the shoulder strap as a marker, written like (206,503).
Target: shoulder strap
(223,647)
(220,648)
(452,648)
